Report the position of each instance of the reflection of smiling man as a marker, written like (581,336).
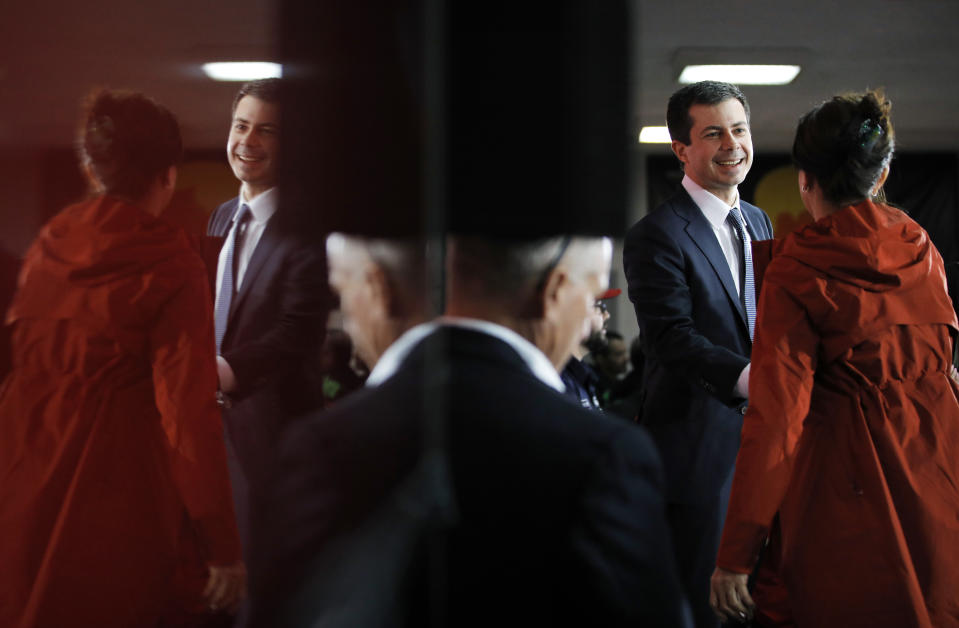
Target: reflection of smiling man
(253,146)
(691,283)
(269,310)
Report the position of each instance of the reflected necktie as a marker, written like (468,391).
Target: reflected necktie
(224,296)
(748,292)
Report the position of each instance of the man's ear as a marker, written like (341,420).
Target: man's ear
(379,286)
(679,149)
(551,297)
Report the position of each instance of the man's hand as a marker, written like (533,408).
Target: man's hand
(226,587)
(225,375)
(729,597)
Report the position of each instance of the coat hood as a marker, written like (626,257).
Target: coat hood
(872,246)
(94,244)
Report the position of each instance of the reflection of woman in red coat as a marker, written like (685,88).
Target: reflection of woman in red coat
(115,505)
(852,433)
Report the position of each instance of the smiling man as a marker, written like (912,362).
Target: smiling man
(270,309)
(689,269)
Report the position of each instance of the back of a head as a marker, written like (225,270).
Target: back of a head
(509,273)
(497,270)
(678,120)
(126,140)
(845,143)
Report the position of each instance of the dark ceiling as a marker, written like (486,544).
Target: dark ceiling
(53,51)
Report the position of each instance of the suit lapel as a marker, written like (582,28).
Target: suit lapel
(701,233)
(223,228)
(265,248)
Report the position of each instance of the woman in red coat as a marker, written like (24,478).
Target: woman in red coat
(115,505)
(852,432)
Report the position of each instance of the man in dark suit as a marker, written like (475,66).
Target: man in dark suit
(461,487)
(690,278)
(270,310)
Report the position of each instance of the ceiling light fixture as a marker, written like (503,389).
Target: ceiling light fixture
(654,135)
(740,74)
(242,70)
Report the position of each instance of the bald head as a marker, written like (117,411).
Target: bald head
(382,286)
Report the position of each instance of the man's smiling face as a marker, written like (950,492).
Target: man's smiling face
(254,144)
(720,149)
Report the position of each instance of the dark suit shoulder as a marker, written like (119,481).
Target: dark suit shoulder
(671,214)
(219,221)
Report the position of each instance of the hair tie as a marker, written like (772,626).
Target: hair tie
(869,133)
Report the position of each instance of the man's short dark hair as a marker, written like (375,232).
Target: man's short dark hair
(267,90)
(679,121)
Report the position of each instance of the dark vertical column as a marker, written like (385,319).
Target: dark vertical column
(510,117)
(352,131)
(537,117)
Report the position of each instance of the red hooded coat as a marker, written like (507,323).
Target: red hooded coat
(852,432)
(114,494)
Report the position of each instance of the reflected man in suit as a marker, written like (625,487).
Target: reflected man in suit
(461,487)
(270,303)
(690,279)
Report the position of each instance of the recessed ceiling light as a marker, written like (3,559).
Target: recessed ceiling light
(654,135)
(740,74)
(242,70)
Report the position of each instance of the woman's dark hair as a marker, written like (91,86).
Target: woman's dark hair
(845,143)
(126,139)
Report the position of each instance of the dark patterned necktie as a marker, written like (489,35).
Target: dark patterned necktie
(748,293)
(221,312)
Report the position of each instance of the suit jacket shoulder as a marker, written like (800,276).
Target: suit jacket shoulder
(219,222)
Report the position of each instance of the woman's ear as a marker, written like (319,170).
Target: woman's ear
(882,179)
(168,177)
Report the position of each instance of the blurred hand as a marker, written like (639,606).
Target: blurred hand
(729,596)
(225,375)
(226,587)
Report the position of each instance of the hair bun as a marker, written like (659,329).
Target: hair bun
(845,143)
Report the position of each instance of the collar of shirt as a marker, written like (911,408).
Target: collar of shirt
(535,359)
(714,209)
(263,206)
(394,355)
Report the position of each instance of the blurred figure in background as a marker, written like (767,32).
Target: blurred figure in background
(626,397)
(337,465)
(610,359)
(849,448)
(460,487)
(115,504)
(336,367)
(580,378)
